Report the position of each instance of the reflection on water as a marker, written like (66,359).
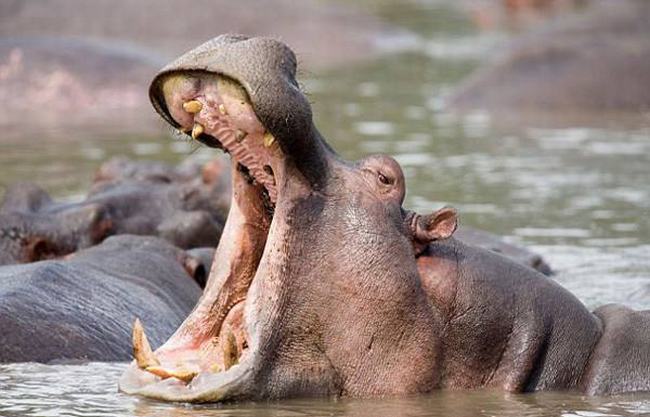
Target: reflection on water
(580,196)
(89,390)
(64,162)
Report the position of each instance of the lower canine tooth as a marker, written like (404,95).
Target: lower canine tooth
(197,130)
(192,106)
(230,352)
(142,352)
(268,139)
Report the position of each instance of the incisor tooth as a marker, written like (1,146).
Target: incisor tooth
(182,374)
(230,352)
(142,352)
(268,139)
(192,106)
(197,130)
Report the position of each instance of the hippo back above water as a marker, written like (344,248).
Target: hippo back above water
(83,308)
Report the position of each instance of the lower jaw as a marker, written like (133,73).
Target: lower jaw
(205,387)
(195,364)
(190,367)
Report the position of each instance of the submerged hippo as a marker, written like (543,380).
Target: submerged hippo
(98,82)
(324,285)
(184,205)
(588,65)
(82,308)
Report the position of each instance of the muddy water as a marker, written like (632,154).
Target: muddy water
(89,390)
(578,195)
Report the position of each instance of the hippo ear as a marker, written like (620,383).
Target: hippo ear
(38,248)
(436,226)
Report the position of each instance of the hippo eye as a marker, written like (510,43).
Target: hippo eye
(384,179)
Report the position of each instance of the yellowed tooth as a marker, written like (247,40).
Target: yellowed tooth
(230,351)
(142,352)
(269,139)
(222,109)
(197,130)
(240,135)
(182,374)
(192,106)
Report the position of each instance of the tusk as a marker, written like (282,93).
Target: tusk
(192,106)
(182,374)
(268,139)
(197,130)
(142,352)
(230,352)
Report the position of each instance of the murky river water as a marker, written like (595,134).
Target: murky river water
(580,196)
(89,390)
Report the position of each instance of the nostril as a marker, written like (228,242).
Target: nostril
(200,276)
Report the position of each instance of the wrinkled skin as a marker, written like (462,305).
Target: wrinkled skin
(82,308)
(184,205)
(324,285)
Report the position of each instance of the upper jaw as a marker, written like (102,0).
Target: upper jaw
(216,110)
(265,69)
(276,118)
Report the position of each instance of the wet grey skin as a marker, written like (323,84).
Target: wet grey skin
(324,285)
(82,308)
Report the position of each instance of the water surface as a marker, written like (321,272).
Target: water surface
(579,195)
(89,390)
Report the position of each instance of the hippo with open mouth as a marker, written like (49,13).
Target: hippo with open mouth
(324,285)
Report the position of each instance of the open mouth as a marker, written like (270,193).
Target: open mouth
(213,346)
(216,111)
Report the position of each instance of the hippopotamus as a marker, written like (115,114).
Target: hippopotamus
(586,65)
(323,284)
(185,205)
(98,82)
(82,307)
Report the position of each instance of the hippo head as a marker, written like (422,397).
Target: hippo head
(314,288)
